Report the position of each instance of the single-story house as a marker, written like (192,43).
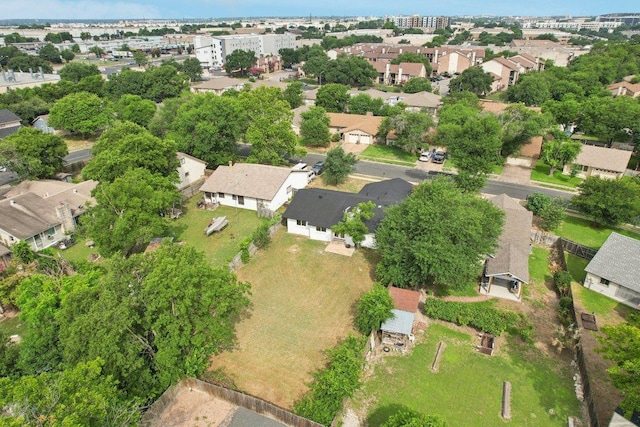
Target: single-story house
(421,101)
(615,270)
(599,161)
(9,123)
(253,186)
(42,124)
(42,212)
(218,85)
(313,211)
(507,269)
(397,331)
(191,169)
(624,88)
(355,128)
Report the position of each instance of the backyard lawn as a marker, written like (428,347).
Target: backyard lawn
(302,304)
(388,154)
(219,247)
(467,390)
(541,174)
(582,231)
(12,326)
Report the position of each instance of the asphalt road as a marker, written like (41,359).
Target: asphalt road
(78,156)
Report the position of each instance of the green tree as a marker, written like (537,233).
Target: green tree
(353,224)
(208,126)
(79,396)
(609,201)
(50,53)
(550,211)
(565,112)
(76,71)
(129,211)
(92,84)
(67,55)
(351,71)
(373,308)
(317,65)
(409,418)
(363,103)
(97,51)
(559,151)
(314,129)
(416,249)
(410,130)
(269,128)
(135,109)
(621,345)
(338,166)
(81,112)
(240,61)
(163,82)
(128,146)
(289,56)
(26,62)
(192,68)
(519,125)
(293,95)
(612,119)
(333,97)
(33,154)
(474,80)
(140,58)
(532,89)
(417,84)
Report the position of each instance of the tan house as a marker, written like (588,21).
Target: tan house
(505,72)
(392,74)
(42,212)
(355,128)
(218,85)
(421,101)
(191,170)
(625,88)
(454,62)
(599,161)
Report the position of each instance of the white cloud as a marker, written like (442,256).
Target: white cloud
(86,9)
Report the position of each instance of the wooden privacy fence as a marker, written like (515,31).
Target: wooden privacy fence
(578,249)
(155,411)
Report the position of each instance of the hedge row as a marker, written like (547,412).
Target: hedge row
(331,385)
(480,315)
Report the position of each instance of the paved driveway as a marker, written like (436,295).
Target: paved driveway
(516,173)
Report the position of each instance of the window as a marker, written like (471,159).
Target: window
(301,223)
(584,168)
(241,200)
(604,281)
(221,195)
(323,229)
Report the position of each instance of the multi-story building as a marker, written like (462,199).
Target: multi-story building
(624,18)
(212,51)
(417,21)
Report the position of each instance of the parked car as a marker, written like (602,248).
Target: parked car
(318,167)
(425,157)
(439,157)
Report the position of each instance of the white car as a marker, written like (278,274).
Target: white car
(425,157)
(3,168)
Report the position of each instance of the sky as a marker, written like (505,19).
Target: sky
(190,9)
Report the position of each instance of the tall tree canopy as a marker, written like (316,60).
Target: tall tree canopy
(559,151)
(135,109)
(129,211)
(333,97)
(240,61)
(338,166)
(33,154)
(314,129)
(208,126)
(76,71)
(410,129)
(519,125)
(351,71)
(474,80)
(609,201)
(129,146)
(81,112)
(436,235)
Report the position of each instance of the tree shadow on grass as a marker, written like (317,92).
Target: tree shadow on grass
(373,258)
(382,413)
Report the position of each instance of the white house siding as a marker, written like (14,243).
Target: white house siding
(591,171)
(232,201)
(309,231)
(190,171)
(295,181)
(613,290)
(368,242)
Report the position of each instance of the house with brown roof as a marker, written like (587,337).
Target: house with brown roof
(397,331)
(253,186)
(218,85)
(507,270)
(505,73)
(625,88)
(355,128)
(599,161)
(398,74)
(43,212)
(421,101)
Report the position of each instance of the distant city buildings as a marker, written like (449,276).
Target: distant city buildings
(416,21)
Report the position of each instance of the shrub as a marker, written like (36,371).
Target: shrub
(550,211)
(479,315)
(537,201)
(566,305)
(562,281)
(261,236)
(244,249)
(374,307)
(409,418)
(331,385)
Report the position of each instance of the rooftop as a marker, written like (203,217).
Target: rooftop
(618,260)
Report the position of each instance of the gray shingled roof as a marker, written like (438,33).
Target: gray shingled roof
(618,261)
(7,116)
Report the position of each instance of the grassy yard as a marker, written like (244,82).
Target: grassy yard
(582,231)
(388,154)
(78,252)
(539,271)
(220,247)
(467,390)
(12,326)
(302,304)
(541,174)
(351,185)
(77,142)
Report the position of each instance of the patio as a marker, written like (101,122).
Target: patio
(499,288)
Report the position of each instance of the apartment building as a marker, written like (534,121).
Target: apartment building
(212,51)
(417,21)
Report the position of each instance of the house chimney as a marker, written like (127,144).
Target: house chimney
(12,203)
(230,163)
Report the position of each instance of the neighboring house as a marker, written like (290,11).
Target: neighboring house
(507,270)
(422,101)
(625,88)
(313,211)
(454,62)
(615,270)
(218,85)
(599,161)
(505,73)
(190,170)
(391,74)
(355,128)
(252,186)
(42,212)
(397,331)
(9,123)
(42,124)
